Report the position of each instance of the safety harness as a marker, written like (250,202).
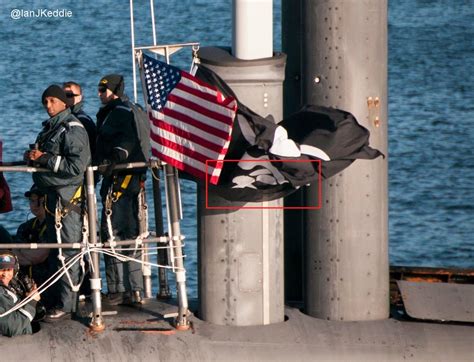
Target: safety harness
(113,195)
(75,204)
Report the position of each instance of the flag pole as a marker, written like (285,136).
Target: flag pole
(172,202)
(172,194)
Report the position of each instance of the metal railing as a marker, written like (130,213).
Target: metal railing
(172,243)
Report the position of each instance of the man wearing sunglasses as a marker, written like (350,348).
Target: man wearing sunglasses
(75,101)
(118,142)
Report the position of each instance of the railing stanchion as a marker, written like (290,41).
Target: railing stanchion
(182,322)
(97,322)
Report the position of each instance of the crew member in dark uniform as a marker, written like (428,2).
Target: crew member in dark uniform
(63,148)
(34,262)
(76,102)
(118,142)
(75,98)
(18,322)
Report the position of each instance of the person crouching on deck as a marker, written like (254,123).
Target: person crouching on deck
(62,147)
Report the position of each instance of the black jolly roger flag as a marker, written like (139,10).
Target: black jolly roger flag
(313,133)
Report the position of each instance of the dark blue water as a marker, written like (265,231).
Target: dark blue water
(431,134)
(431,102)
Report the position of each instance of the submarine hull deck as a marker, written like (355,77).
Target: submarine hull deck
(144,334)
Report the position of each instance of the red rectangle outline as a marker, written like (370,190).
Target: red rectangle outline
(318,207)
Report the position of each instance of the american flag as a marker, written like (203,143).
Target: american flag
(191,121)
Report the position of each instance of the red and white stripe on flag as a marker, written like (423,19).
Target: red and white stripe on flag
(195,125)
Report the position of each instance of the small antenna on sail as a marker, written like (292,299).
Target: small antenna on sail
(132,34)
(153,27)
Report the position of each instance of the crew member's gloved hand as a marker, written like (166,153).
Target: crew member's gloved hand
(43,159)
(119,155)
(107,168)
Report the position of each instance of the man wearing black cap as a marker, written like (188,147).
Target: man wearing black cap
(19,321)
(118,142)
(62,148)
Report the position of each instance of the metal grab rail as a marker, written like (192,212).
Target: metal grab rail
(33,246)
(175,238)
(19,166)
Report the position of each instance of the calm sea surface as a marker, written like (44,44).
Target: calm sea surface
(431,102)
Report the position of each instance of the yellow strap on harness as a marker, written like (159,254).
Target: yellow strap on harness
(126,181)
(77,195)
(76,199)
(42,229)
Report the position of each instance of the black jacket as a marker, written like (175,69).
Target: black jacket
(117,137)
(87,122)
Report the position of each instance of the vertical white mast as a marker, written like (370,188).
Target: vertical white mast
(153,26)
(132,33)
(252,29)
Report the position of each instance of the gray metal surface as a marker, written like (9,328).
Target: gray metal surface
(136,334)
(241,251)
(342,63)
(438,301)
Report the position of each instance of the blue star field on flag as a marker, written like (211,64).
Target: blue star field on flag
(160,80)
